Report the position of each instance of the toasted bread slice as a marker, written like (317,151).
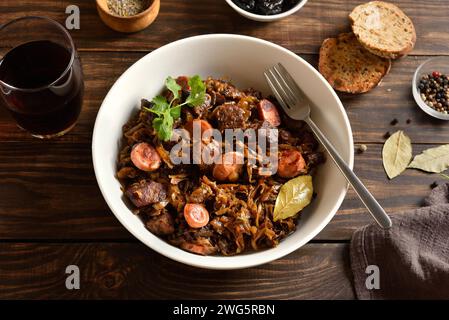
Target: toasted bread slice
(383,29)
(349,67)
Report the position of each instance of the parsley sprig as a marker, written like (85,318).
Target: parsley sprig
(167,112)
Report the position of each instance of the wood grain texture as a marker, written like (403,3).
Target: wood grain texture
(52,213)
(49,192)
(404,192)
(132,271)
(302,32)
(52,183)
(370,114)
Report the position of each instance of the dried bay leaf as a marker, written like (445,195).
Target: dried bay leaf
(294,196)
(432,160)
(396,154)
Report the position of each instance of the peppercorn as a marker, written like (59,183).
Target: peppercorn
(434,91)
(362,148)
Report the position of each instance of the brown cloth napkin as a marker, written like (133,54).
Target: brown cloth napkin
(412,257)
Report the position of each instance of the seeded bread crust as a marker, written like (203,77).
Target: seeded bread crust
(349,67)
(383,29)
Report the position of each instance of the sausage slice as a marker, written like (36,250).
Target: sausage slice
(268,112)
(291,163)
(162,224)
(145,157)
(203,124)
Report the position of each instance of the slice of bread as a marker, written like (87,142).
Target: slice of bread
(349,67)
(383,29)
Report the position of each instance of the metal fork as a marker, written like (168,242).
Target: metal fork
(296,105)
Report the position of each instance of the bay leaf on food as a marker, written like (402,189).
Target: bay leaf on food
(396,154)
(432,160)
(294,196)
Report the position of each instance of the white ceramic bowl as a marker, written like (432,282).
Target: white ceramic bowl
(263,18)
(440,64)
(215,55)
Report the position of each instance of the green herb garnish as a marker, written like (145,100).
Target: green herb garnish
(167,112)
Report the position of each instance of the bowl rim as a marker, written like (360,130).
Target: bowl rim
(417,95)
(213,262)
(136,16)
(266,18)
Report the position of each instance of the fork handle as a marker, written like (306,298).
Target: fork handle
(367,198)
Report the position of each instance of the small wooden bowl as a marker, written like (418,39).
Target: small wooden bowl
(128,24)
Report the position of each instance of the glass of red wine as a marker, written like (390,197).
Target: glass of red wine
(41,80)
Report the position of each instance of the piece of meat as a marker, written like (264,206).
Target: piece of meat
(308,141)
(223,88)
(202,109)
(145,157)
(230,116)
(200,246)
(217,99)
(162,224)
(183,81)
(286,136)
(291,163)
(315,158)
(268,112)
(146,192)
(202,124)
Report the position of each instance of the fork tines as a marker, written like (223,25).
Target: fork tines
(285,89)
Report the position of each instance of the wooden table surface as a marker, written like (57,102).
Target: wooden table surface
(52,213)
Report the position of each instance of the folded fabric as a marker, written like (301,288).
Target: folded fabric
(411,260)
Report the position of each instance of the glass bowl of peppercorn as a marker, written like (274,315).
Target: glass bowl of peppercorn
(431,87)
(266,10)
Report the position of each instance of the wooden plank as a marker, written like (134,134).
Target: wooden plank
(49,192)
(51,184)
(133,271)
(100,73)
(370,114)
(302,32)
(400,194)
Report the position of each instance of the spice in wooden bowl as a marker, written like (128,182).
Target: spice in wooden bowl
(127,8)
(128,15)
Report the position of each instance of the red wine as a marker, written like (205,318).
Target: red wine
(44,103)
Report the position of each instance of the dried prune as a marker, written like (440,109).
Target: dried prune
(266,7)
(248,5)
(269,7)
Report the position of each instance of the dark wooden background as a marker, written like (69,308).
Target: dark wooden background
(52,213)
